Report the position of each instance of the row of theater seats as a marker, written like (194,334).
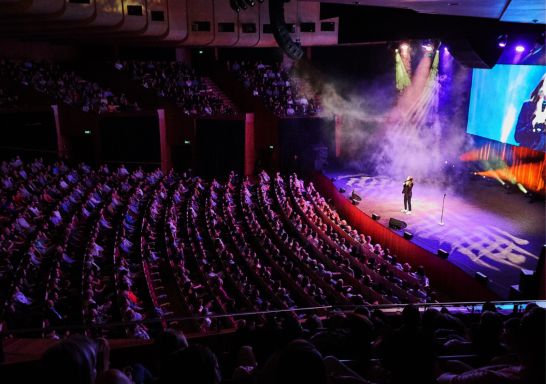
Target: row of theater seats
(129,246)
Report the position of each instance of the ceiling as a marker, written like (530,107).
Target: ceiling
(517,11)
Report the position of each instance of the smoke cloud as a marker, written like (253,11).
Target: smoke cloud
(399,134)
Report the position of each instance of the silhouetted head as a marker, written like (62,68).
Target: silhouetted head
(71,361)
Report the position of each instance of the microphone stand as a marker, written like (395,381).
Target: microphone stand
(442,216)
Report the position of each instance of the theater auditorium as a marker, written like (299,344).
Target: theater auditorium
(272,191)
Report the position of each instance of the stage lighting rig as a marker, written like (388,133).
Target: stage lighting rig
(502,40)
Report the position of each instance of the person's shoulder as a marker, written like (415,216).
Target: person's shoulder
(527,105)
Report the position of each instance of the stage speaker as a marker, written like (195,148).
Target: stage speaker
(397,224)
(481,278)
(356,197)
(527,285)
(443,254)
(375,216)
(408,235)
(280,30)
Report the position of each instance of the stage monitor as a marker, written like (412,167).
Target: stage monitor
(507,104)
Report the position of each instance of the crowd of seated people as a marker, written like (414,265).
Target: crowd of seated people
(73,228)
(65,86)
(119,245)
(279,90)
(377,264)
(361,347)
(112,239)
(177,81)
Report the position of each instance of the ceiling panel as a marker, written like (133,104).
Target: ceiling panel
(523,11)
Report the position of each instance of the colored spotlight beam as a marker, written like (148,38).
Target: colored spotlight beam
(403,79)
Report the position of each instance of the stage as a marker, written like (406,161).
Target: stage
(486,228)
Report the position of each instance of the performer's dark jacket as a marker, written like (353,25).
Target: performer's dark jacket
(406,190)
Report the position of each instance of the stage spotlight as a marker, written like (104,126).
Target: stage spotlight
(375,216)
(427,46)
(520,48)
(502,41)
(408,235)
(446,50)
(443,254)
(355,196)
(482,278)
(404,46)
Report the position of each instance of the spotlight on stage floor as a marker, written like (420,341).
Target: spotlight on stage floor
(443,254)
(408,235)
(483,279)
(375,216)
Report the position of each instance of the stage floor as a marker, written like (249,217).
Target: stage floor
(485,228)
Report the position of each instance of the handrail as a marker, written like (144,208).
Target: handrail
(517,304)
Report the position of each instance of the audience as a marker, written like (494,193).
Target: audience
(281,91)
(106,243)
(65,86)
(406,353)
(175,80)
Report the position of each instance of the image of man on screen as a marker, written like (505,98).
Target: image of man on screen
(531,124)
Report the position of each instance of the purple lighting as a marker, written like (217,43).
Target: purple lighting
(446,50)
(520,48)
(502,44)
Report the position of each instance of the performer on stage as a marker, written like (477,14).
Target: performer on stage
(406,190)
